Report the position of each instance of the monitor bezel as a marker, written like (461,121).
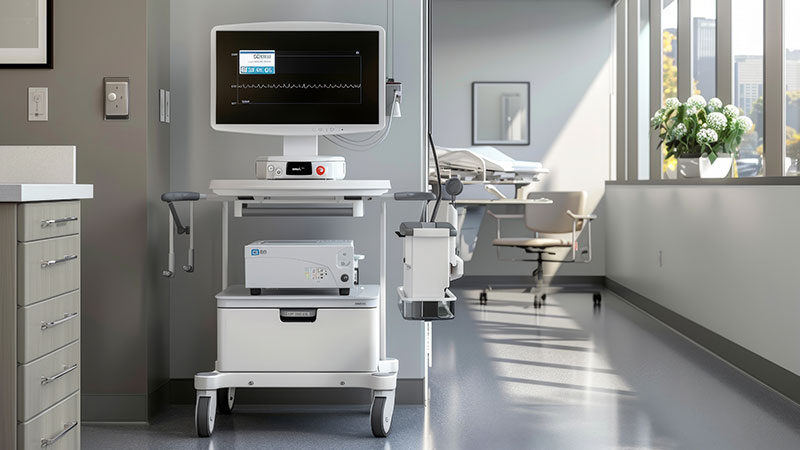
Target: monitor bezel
(321,129)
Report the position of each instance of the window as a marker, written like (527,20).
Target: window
(747,24)
(669,72)
(744,52)
(643,59)
(792,81)
(704,48)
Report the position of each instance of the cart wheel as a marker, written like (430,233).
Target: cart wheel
(380,416)
(204,414)
(597,299)
(482,299)
(225,399)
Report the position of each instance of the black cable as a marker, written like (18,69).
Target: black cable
(438,179)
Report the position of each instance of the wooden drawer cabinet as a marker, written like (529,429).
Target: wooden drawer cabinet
(47,220)
(40,325)
(47,380)
(47,326)
(57,428)
(47,268)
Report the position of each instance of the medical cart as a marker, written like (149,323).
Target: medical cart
(308,340)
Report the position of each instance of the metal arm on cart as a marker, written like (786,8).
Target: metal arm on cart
(170,198)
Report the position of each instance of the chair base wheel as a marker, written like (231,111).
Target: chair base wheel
(482,298)
(597,299)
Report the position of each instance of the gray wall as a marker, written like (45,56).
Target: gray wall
(114,156)
(200,154)
(563,48)
(728,259)
(158,157)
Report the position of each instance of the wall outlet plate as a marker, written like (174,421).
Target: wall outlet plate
(115,98)
(37,104)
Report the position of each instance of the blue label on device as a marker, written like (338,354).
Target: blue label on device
(256,62)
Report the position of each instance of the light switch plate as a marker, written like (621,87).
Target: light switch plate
(161,108)
(166,108)
(115,98)
(37,104)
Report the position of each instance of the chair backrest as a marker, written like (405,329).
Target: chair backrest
(554,218)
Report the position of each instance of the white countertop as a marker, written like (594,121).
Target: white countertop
(28,192)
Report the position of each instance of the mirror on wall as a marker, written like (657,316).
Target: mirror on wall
(500,113)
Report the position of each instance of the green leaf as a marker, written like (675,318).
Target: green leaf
(712,157)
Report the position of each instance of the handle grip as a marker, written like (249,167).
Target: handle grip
(48,222)
(51,324)
(53,262)
(50,379)
(46,442)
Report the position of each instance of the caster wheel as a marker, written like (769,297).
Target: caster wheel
(483,299)
(380,416)
(597,299)
(544,297)
(225,400)
(204,415)
(536,303)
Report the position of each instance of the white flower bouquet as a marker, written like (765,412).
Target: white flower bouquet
(699,128)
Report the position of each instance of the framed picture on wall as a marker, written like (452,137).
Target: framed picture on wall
(26,34)
(500,113)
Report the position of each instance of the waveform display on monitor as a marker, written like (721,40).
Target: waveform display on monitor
(298,86)
(270,76)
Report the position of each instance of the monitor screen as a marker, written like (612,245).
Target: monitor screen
(280,77)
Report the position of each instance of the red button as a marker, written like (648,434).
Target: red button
(320,170)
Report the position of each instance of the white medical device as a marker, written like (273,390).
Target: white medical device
(289,168)
(299,80)
(430,261)
(324,264)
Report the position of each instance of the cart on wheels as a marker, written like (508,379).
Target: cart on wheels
(297,340)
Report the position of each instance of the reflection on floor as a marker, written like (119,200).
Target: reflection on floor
(506,375)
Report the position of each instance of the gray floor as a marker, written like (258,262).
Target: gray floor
(508,376)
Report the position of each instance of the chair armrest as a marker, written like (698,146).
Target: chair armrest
(581,216)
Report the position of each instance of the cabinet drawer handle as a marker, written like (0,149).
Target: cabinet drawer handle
(50,379)
(46,442)
(67,316)
(48,222)
(53,262)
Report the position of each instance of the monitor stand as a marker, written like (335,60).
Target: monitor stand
(300,161)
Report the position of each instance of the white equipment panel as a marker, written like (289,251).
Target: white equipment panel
(299,264)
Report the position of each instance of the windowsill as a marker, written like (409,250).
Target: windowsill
(750,181)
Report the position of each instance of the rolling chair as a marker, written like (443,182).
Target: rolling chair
(565,215)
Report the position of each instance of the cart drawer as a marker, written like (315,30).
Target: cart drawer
(47,380)
(48,325)
(58,428)
(48,220)
(260,340)
(48,268)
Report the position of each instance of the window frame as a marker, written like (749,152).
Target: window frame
(626,49)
